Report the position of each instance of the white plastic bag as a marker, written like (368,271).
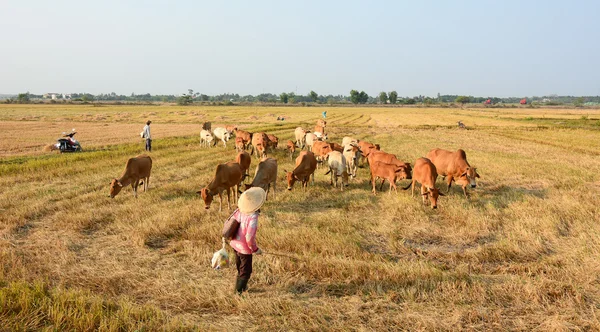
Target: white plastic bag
(220,258)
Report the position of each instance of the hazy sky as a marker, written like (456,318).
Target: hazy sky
(483,48)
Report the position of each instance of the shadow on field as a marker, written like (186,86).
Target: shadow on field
(502,196)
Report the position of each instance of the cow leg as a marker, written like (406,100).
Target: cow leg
(134,185)
(381,185)
(464,188)
(412,191)
(220,201)
(373,183)
(450,179)
(228,198)
(393,183)
(423,193)
(274,187)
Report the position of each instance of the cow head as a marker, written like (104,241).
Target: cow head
(291,179)
(207,197)
(433,194)
(345,178)
(115,187)
(469,177)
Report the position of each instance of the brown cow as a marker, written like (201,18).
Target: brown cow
(290,146)
(366,147)
(336,147)
(246,137)
(259,145)
(319,129)
(389,172)
(239,144)
(321,149)
(454,167)
(136,169)
(244,159)
(231,128)
(388,158)
(306,163)
(227,175)
(273,141)
(322,123)
(426,174)
(266,174)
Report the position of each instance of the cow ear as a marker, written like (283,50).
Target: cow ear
(199,192)
(425,194)
(464,174)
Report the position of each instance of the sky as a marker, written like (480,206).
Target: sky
(480,48)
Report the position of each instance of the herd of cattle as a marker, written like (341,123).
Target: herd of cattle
(342,161)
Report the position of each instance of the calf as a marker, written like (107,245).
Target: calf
(300,135)
(245,136)
(388,158)
(259,145)
(136,169)
(352,153)
(206,138)
(426,174)
(222,134)
(389,172)
(306,163)
(239,144)
(266,174)
(227,176)
(290,146)
(454,167)
(337,168)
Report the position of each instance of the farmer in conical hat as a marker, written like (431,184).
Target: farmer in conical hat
(244,242)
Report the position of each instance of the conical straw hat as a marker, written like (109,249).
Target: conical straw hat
(251,200)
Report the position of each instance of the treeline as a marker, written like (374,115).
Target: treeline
(355,97)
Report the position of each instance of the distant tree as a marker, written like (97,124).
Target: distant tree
(354,97)
(363,97)
(393,97)
(291,98)
(284,97)
(184,100)
(204,97)
(462,99)
(314,96)
(579,101)
(383,97)
(23,98)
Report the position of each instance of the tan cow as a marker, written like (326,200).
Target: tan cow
(321,123)
(336,147)
(388,158)
(291,147)
(300,135)
(426,174)
(245,136)
(306,163)
(227,176)
(266,174)
(390,172)
(259,145)
(273,141)
(321,151)
(366,148)
(337,168)
(349,141)
(244,159)
(231,128)
(136,169)
(454,167)
(320,129)
(352,154)
(239,144)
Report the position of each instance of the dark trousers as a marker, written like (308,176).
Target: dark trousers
(148,145)
(243,263)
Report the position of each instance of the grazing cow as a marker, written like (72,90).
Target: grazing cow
(206,138)
(322,123)
(319,129)
(388,158)
(245,136)
(231,129)
(290,146)
(454,167)
(366,147)
(136,169)
(266,174)
(259,145)
(273,141)
(306,163)
(426,174)
(337,168)
(352,153)
(389,172)
(321,150)
(300,135)
(239,144)
(244,159)
(227,176)
(222,134)
(336,147)
(349,140)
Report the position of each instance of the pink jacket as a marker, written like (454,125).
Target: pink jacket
(245,239)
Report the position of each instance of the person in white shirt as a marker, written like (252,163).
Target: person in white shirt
(147,136)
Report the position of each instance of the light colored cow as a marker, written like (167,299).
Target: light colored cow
(337,168)
(206,138)
(223,134)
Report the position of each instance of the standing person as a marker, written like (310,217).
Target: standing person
(146,135)
(244,242)
(324,114)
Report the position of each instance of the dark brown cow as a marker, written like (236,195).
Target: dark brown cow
(389,172)
(136,169)
(227,175)
(426,174)
(246,137)
(454,167)
(266,174)
(306,163)
(321,149)
(291,147)
(273,141)
(259,145)
(244,159)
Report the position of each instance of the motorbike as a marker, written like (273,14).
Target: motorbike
(67,143)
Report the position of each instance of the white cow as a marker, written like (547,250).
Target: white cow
(352,154)
(206,138)
(300,135)
(310,140)
(320,136)
(349,140)
(337,168)
(223,134)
